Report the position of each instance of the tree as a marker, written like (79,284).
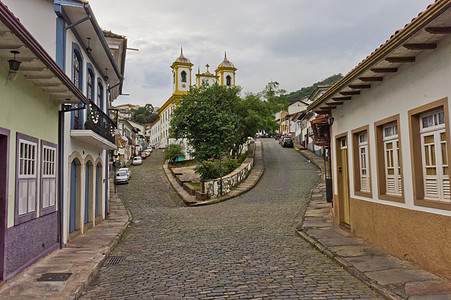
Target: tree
(145,114)
(207,116)
(274,96)
(216,121)
(173,152)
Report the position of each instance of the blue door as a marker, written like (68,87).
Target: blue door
(73,196)
(98,174)
(86,193)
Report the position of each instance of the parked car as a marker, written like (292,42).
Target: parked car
(129,173)
(137,160)
(143,155)
(149,149)
(278,136)
(121,177)
(287,142)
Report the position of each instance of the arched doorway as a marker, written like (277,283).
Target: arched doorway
(75,196)
(99,193)
(89,194)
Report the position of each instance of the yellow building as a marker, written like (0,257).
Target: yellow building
(182,81)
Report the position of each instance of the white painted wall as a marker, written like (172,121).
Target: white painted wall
(416,84)
(39,20)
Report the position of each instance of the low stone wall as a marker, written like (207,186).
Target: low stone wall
(212,187)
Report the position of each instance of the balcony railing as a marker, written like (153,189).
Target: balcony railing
(99,122)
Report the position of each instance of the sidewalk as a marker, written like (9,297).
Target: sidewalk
(82,259)
(254,176)
(392,277)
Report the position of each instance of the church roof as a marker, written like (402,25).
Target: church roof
(226,64)
(182,58)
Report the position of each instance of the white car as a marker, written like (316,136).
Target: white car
(149,149)
(137,161)
(129,173)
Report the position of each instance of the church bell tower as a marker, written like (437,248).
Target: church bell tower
(181,74)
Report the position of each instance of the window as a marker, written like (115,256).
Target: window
(183,74)
(434,156)
(90,84)
(228,80)
(26,178)
(429,126)
(48,177)
(100,94)
(76,69)
(389,159)
(361,162)
(363,153)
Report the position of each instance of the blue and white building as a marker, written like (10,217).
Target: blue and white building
(69,32)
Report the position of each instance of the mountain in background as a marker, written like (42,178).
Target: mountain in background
(305,91)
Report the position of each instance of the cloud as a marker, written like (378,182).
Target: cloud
(294,42)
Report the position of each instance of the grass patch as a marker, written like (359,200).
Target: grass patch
(195,185)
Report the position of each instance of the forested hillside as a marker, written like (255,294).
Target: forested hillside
(305,91)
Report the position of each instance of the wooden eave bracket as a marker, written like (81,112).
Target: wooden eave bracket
(384,70)
(360,86)
(371,79)
(350,93)
(439,30)
(341,98)
(400,59)
(420,46)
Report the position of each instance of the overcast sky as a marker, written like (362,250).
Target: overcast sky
(293,42)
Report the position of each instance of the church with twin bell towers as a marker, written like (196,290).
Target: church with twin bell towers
(182,80)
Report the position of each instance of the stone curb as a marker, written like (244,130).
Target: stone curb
(109,248)
(337,258)
(384,290)
(20,286)
(349,267)
(191,200)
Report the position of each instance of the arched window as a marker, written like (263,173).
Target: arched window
(228,80)
(100,95)
(183,76)
(77,69)
(90,84)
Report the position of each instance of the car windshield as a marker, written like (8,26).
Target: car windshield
(287,139)
(121,173)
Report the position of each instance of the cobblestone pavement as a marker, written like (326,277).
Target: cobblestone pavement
(244,248)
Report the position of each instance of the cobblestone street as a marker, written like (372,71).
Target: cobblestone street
(243,248)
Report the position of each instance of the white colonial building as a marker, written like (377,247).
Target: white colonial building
(391,143)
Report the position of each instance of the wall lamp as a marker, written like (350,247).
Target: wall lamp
(89,49)
(13,63)
(330,120)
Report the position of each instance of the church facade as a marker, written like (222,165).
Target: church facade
(182,81)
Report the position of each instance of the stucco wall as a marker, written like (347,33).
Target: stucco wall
(25,109)
(32,19)
(420,237)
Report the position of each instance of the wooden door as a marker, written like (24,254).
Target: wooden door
(343,180)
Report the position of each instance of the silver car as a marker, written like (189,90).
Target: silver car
(121,177)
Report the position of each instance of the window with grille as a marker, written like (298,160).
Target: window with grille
(26,183)
(363,162)
(48,177)
(183,74)
(392,165)
(434,155)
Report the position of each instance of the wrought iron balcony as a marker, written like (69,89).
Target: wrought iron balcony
(98,129)
(99,122)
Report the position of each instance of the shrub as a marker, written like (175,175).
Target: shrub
(229,165)
(208,170)
(173,152)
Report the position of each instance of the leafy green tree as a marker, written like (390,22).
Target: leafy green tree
(217,122)
(207,116)
(173,152)
(144,114)
(274,96)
